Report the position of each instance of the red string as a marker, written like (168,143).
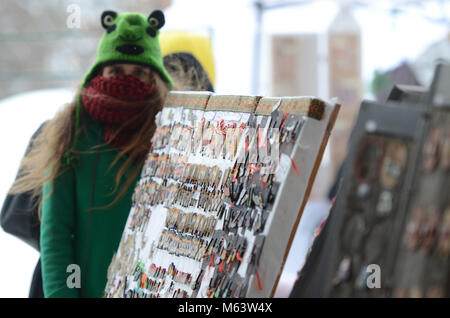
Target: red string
(283,119)
(294,166)
(255,169)
(258,279)
(221,128)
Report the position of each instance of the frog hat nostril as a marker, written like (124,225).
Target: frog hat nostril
(130,49)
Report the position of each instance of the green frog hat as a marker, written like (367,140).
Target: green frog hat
(129,37)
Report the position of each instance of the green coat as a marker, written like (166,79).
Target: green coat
(70,232)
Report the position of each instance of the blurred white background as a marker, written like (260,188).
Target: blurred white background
(387,37)
(20,117)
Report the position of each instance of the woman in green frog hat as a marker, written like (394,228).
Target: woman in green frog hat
(87,159)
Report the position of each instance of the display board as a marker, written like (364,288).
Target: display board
(220,196)
(388,232)
(372,199)
(422,266)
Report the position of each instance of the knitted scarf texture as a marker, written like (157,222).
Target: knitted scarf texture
(117,103)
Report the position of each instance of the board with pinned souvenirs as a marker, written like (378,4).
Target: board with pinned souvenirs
(220,195)
(372,200)
(388,232)
(422,265)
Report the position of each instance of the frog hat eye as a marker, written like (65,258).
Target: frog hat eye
(107,19)
(156,21)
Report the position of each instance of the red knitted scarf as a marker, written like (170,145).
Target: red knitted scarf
(117,103)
